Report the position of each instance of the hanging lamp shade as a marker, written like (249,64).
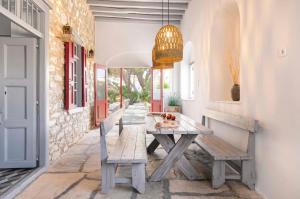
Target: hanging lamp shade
(157,65)
(169,45)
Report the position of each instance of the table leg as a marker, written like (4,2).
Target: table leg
(172,138)
(183,164)
(153,146)
(175,155)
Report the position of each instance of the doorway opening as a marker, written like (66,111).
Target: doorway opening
(162,89)
(128,86)
(138,90)
(23,91)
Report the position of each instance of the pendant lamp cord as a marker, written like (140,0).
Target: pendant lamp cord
(168,12)
(162,13)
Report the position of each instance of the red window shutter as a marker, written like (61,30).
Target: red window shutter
(69,75)
(84,77)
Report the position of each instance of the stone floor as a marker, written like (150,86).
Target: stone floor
(77,175)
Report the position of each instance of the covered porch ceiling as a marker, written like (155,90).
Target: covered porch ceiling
(148,11)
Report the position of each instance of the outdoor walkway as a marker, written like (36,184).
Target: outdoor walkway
(77,175)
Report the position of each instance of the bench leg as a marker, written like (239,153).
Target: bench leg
(138,177)
(248,173)
(218,173)
(108,177)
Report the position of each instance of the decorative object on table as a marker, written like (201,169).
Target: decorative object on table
(167,124)
(67,33)
(168,116)
(174,104)
(168,42)
(234,68)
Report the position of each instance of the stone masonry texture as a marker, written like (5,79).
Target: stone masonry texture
(65,129)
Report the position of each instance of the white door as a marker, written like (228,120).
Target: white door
(18,135)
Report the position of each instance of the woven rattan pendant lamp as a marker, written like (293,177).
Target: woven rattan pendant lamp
(168,43)
(157,65)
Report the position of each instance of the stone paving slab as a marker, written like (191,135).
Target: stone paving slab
(242,191)
(50,185)
(120,191)
(203,187)
(202,197)
(85,189)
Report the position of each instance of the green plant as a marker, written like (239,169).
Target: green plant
(166,85)
(174,101)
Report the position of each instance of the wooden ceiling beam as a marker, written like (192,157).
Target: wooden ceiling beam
(128,19)
(137,4)
(155,1)
(138,16)
(96,9)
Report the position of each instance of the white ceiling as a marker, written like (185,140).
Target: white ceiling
(138,10)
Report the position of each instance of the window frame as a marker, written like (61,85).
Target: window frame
(75,76)
(187,78)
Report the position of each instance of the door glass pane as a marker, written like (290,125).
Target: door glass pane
(114,97)
(29,18)
(156,85)
(24,10)
(167,87)
(100,83)
(35,18)
(5,3)
(12,6)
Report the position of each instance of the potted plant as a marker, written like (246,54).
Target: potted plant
(234,69)
(174,104)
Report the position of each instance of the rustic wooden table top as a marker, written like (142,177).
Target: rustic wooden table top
(185,125)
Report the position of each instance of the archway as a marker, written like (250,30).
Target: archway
(224,50)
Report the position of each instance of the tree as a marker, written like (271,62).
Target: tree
(130,87)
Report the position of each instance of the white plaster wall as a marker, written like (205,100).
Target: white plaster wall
(125,44)
(224,41)
(269,85)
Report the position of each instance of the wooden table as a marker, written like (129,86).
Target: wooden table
(188,129)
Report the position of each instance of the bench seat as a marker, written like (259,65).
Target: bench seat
(225,155)
(220,149)
(130,147)
(127,148)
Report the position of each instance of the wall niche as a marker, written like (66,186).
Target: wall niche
(225,53)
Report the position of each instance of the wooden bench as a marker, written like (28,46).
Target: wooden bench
(224,155)
(129,149)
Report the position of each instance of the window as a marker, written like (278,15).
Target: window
(75,76)
(187,81)
(187,73)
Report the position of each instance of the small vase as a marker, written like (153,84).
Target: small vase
(235,92)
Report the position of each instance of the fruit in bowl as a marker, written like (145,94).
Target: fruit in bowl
(169,116)
(173,117)
(164,115)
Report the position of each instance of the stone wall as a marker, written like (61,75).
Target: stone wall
(66,128)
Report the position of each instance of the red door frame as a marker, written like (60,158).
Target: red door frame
(121,87)
(157,105)
(100,104)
